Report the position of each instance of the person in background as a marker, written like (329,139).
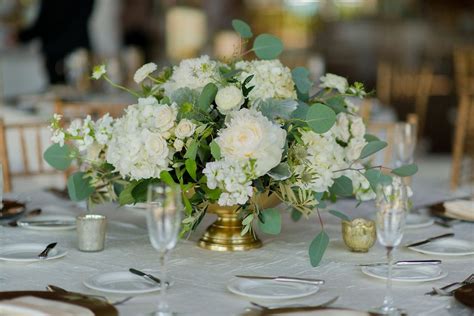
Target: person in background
(62,27)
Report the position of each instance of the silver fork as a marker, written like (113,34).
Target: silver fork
(442,290)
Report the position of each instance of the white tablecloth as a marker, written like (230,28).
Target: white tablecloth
(201,276)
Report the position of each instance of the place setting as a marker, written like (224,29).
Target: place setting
(31,252)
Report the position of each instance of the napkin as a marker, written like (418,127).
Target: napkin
(462,209)
(34,306)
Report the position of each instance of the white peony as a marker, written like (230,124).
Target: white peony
(185,129)
(250,135)
(229,98)
(271,79)
(144,71)
(193,73)
(333,81)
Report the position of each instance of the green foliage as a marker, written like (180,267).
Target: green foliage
(166,177)
(342,186)
(376,177)
(274,109)
(318,248)
(191,168)
(337,104)
(191,152)
(296,215)
(301,78)
(58,157)
(207,96)
(79,187)
(406,170)
(280,172)
(185,95)
(246,89)
(340,215)
(215,150)
(301,111)
(242,28)
(371,148)
(270,223)
(320,118)
(126,196)
(370,138)
(267,46)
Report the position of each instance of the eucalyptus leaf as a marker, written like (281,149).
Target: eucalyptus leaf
(242,28)
(58,157)
(301,111)
(191,168)
(280,172)
(340,215)
(342,186)
(267,46)
(184,95)
(271,223)
(337,104)
(79,187)
(207,96)
(370,138)
(320,118)
(274,109)
(318,248)
(376,177)
(406,170)
(296,215)
(371,148)
(301,78)
(215,150)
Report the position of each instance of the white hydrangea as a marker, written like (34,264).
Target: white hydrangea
(144,71)
(271,79)
(250,135)
(138,148)
(233,177)
(333,81)
(193,73)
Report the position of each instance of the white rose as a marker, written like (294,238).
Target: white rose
(229,98)
(165,117)
(185,128)
(178,144)
(144,71)
(358,127)
(250,135)
(334,82)
(156,145)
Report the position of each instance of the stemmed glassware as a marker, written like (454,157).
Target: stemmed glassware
(391,201)
(164,221)
(404,143)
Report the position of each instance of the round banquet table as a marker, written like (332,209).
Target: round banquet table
(200,276)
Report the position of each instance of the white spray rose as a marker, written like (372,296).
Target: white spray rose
(229,98)
(185,129)
(178,144)
(250,135)
(144,71)
(333,81)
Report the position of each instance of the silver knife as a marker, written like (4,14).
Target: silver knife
(46,223)
(283,279)
(403,263)
(146,276)
(418,243)
(44,253)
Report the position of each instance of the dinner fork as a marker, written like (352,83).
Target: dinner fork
(442,290)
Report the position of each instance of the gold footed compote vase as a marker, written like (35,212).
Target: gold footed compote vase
(224,233)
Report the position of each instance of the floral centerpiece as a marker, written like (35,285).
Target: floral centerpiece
(226,132)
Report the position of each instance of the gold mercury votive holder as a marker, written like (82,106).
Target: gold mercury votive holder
(359,235)
(91,230)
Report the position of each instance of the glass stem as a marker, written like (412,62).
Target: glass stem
(388,300)
(163,304)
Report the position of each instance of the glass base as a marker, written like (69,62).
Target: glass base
(163,313)
(388,310)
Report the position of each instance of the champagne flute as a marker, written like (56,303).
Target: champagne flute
(404,143)
(391,201)
(164,221)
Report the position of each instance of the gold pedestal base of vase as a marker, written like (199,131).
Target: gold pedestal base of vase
(224,233)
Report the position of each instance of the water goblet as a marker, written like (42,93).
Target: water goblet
(404,143)
(164,221)
(391,202)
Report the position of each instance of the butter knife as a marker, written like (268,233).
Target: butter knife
(45,252)
(422,242)
(146,276)
(46,223)
(403,263)
(283,279)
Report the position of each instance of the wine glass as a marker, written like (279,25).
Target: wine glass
(391,201)
(164,221)
(404,143)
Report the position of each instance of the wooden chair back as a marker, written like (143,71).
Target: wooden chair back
(31,157)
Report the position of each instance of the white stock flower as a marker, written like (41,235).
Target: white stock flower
(193,73)
(229,98)
(271,79)
(144,71)
(185,128)
(341,128)
(333,81)
(58,137)
(98,71)
(250,135)
(357,127)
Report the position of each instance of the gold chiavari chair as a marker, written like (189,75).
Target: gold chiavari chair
(30,157)
(386,131)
